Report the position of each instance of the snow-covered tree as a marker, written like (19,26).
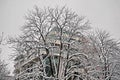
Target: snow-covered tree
(106,51)
(54,31)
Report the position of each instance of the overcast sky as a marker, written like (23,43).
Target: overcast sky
(104,14)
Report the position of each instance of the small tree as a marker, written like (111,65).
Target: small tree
(106,53)
(1,39)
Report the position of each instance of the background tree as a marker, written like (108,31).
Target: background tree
(3,69)
(106,51)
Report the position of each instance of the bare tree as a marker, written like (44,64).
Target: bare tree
(55,34)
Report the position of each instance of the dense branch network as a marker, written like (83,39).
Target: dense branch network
(65,52)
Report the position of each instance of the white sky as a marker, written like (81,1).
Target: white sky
(104,14)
